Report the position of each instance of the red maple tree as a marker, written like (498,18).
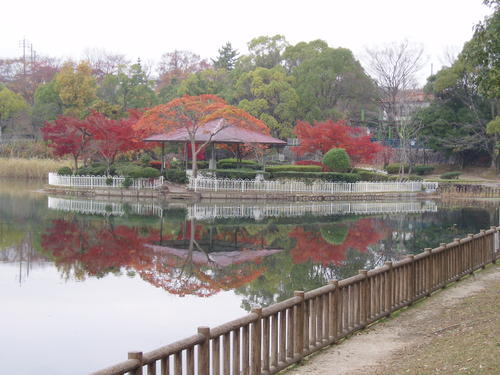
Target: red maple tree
(325,135)
(68,136)
(110,136)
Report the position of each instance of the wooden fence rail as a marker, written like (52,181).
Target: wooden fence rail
(270,339)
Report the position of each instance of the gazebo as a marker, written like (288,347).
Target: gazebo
(213,132)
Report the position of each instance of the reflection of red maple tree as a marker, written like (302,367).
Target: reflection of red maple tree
(95,249)
(311,246)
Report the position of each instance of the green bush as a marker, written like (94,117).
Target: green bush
(337,160)
(450,175)
(242,174)
(422,169)
(176,175)
(64,171)
(129,170)
(293,168)
(109,181)
(150,172)
(233,164)
(394,168)
(326,176)
(366,175)
(127,182)
(95,169)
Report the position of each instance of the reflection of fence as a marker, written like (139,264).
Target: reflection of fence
(103,182)
(215,184)
(202,211)
(88,206)
(270,339)
(214,210)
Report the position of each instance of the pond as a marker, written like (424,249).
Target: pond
(82,281)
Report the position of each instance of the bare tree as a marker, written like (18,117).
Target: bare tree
(394,67)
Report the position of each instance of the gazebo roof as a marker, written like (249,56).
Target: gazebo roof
(228,134)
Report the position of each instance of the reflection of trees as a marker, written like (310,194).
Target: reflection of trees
(82,248)
(313,260)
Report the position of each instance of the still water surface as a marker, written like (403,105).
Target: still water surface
(82,282)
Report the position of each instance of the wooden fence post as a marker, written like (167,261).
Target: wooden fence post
(470,255)
(204,351)
(256,342)
(483,250)
(299,324)
(444,266)
(411,279)
(389,288)
(493,250)
(430,271)
(334,310)
(138,357)
(364,299)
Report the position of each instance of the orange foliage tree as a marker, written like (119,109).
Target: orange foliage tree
(192,113)
(325,135)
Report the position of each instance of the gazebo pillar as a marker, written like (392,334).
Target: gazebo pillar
(212,163)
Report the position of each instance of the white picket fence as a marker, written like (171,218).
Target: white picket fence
(100,182)
(215,184)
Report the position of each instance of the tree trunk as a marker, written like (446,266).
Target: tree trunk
(194,165)
(75,158)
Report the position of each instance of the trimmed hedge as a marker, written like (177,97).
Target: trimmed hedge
(242,174)
(64,171)
(366,175)
(337,160)
(293,168)
(394,168)
(92,170)
(176,175)
(232,163)
(450,175)
(326,176)
(423,169)
(312,162)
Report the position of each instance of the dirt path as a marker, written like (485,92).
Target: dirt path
(421,339)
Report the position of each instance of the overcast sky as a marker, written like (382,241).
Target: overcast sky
(149,28)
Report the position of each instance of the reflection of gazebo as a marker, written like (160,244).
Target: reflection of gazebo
(216,131)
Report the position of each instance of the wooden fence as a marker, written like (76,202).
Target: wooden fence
(317,187)
(270,339)
(92,182)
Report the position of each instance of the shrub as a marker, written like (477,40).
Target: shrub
(145,159)
(95,169)
(394,168)
(128,170)
(450,175)
(293,168)
(109,181)
(337,160)
(326,176)
(176,175)
(65,171)
(312,162)
(413,177)
(233,164)
(150,172)
(366,175)
(422,169)
(243,174)
(127,182)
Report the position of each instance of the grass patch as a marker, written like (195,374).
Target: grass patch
(29,168)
